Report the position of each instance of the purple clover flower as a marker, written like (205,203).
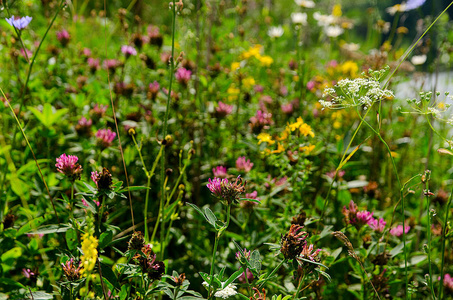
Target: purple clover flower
(448,282)
(215,186)
(63,37)
(377,225)
(220,171)
(105,137)
(67,165)
(398,230)
(223,109)
(154,88)
(243,164)
(183,76)
(128,50)
(19,23)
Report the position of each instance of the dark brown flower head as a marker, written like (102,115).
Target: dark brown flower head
(137,241)
(382,259)
(293,242)
(155,270)
(8,221)
(179,280)
(300,218)
(104,180)
(137,40)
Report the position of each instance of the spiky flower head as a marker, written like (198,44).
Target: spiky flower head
(67,165)
(226,191)
(293,242)
(102,180)
(137,241)
(70,270)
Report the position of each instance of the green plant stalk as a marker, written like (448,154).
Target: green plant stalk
(301,280)
(216,242)
(326,201)
(116,122)
(428,229)
(444,232)
(273,272)
(167,110)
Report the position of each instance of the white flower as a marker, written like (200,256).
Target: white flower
(275,32)
(351,47)
(323,20)
(305,3)
(392,10)
(333,31)
(299,18)
(418,59)
(230,290)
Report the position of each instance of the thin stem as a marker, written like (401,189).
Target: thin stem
(273,272)
(428,229)
(444,232)
(211,272)
(301,280)
(148,184)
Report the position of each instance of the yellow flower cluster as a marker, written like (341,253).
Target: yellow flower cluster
(90,253)
(302,128)
(255,51)
(233,92)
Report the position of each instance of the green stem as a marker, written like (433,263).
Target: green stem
(301,280)
(211,272)
(148,184)
(428,204)
(444,231)
(272,273)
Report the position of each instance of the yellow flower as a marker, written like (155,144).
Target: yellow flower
(441,105)
(266,60)
(307,149)
(349,68)
(253,52)
(336,125)
(305,130)
(265,138)
(248,82)
(90,253)
(296,125)
(280,149)
(235,65)
(233,92)
(285,134)
(296,78)
(336,11)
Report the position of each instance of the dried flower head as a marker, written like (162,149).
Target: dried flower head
(137,241)
(102,180)
(258,295)
(293,242)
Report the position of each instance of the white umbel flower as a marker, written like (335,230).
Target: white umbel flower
(227,292)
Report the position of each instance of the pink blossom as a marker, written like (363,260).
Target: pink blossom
(154,88)
(243,164)
(28,273)
(63,37)
(363,217)
(128,50)
(258,88)
(111,64)
(105,137)
(332,64)
(100,109)
(86,52)
(67,165)
(287,108)
(84,122)
(223,109)
(260,120)
(215,186)
(377,225)
(398,230)
(448,282)
(310,85)
(183,76)
(220,171)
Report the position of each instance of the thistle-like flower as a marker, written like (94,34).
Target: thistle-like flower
(226,191)
(293,242)
(67,165)
(71,272)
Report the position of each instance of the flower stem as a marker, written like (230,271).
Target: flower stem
(272,273)
(428,228)
(444,232)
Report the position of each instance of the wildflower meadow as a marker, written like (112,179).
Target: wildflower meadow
(226,149)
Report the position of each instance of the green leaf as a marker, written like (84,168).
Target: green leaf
(105,239)
(8,282)
(40,295)
(71,239)
(46,229)
(210,217)
(232,278)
